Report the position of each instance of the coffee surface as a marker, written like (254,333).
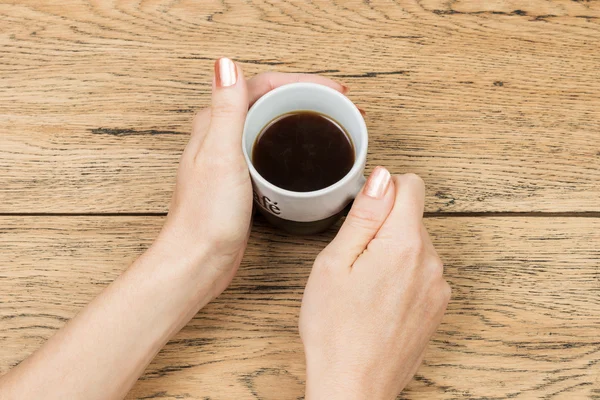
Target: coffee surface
(303,151)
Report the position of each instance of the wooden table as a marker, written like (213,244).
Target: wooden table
(495,104)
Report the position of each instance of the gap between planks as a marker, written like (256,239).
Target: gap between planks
(528,214)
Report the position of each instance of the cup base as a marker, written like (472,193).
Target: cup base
(304,228)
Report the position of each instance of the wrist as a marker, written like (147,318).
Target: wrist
(332,384)
(343,380)
(202,261)
(179,274)
(339,388)
(180,249)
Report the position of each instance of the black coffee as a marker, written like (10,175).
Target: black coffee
(303,151)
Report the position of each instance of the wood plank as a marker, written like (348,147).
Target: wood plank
(523,321)
(496,104)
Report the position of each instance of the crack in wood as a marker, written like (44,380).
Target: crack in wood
(131,132)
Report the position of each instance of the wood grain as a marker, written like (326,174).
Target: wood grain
(496,104)
(523,322)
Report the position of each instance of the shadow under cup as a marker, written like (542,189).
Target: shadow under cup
(306,212)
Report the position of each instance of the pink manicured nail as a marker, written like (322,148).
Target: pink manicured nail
(377,183)
(225,72)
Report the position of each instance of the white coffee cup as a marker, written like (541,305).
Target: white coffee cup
(306,212)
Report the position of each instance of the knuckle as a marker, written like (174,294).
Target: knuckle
(266,77)
(446,292)
(438,263)
(325,260)
(223,110)
(363,218)
(325,266)
(436,268)
(264,82)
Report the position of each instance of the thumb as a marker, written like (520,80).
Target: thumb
(369,211)
(229,106)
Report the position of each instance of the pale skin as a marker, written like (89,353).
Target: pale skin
(373,300)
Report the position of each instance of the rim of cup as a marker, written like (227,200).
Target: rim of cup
(360,154)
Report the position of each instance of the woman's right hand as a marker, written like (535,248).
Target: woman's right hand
(375,296)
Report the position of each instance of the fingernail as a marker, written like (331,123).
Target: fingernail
(362,112)
(345,89)
(377,183)
(225,72)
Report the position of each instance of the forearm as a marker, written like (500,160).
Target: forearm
(103,350)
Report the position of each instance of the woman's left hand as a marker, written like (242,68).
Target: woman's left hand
(112,340)
(210,212)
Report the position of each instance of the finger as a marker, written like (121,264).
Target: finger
(433,265)
(228,109)
(258,86)
(369,211)
(406,217)
(261,84)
